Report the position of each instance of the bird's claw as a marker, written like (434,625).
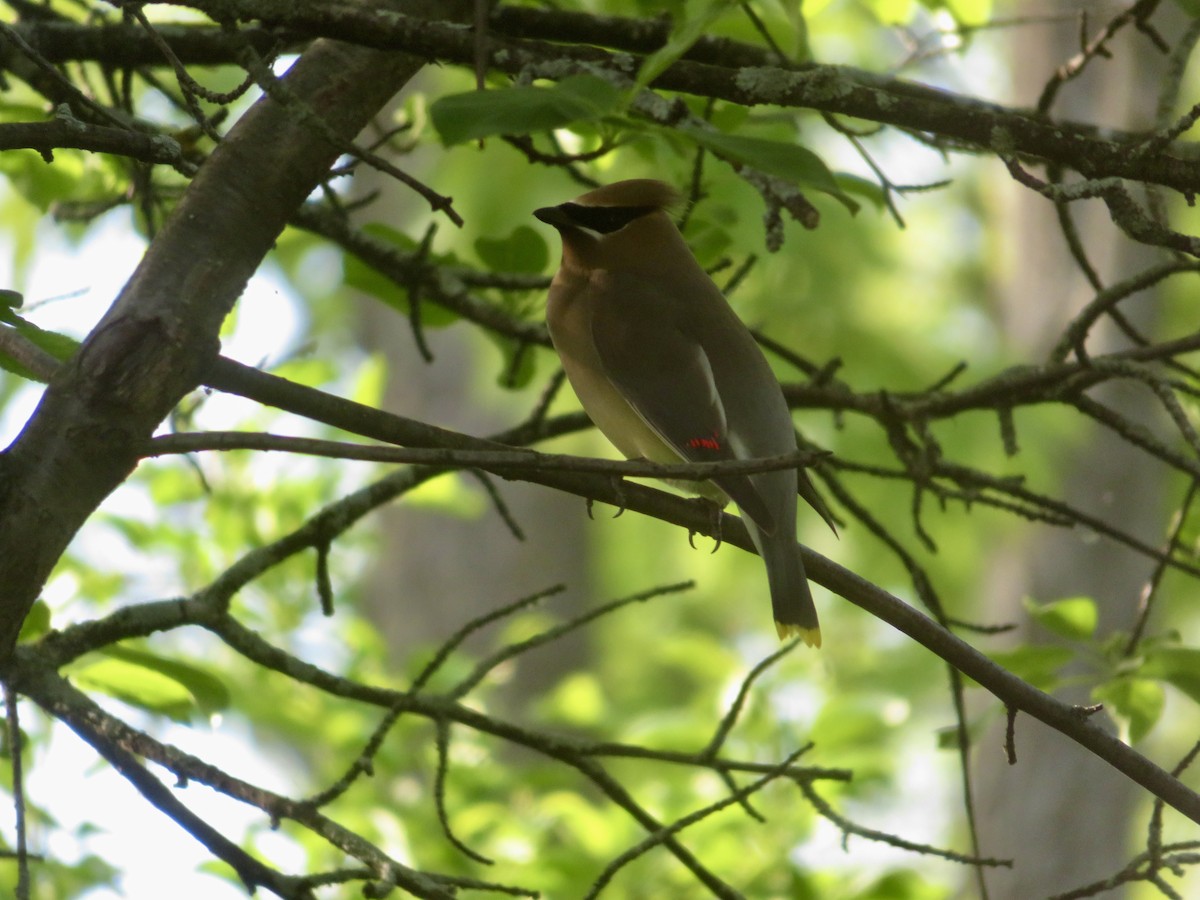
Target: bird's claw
(619,496)
(716,516)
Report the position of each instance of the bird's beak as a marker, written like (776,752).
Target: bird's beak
(552,215)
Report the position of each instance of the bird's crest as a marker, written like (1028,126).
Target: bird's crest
(636,192)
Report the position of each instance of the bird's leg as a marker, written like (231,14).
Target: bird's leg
(618,485)
(715,511)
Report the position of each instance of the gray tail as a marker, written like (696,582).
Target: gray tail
(791,598)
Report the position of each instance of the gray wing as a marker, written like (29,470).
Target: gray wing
(663,372)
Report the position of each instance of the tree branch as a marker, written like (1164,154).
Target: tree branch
(151,346)
(121,744)
(1004,685)
(721,69)
(509,462)
(962,121)
(65,131)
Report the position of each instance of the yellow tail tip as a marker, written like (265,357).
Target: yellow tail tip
(810,636)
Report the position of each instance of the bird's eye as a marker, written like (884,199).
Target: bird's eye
(604,219)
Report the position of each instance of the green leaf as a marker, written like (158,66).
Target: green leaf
(521,110)
(209,691)
(1072,617)
(520,363)
(1178,666)
(1140,701)
(578,701)
(970,12)
(39,182)
(366,278)
(370,382)
(688,26)
(902,884)
(894,12)
(11,299)
(790,162)
(523,251)
(796,12)
(1037,664)
(57,345)
(709,239)
(36,623)
(862,187)
(168,485)
(950,738)
(136,686)
(152,682)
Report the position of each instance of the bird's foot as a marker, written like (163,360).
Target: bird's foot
(716,517)
(618,485)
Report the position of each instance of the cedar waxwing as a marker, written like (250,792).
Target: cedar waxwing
(668,372)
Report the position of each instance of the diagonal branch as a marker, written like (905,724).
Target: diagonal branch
(121,744)
(151,346)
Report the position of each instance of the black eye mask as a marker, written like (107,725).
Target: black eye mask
(604,219)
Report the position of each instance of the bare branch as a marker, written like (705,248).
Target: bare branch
(498,461)
(66,132)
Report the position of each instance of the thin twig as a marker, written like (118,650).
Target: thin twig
(656,838)
(1098,46)
(16,750)
(1150,589)
(500,461)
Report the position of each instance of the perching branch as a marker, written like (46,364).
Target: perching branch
(510,462)
(1009,689)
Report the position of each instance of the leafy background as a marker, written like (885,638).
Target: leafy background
(900,306)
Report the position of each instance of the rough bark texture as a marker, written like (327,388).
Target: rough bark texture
(151,346)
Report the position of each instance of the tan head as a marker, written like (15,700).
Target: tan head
(621,225)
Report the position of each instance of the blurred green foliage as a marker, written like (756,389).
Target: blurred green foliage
(900,307)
